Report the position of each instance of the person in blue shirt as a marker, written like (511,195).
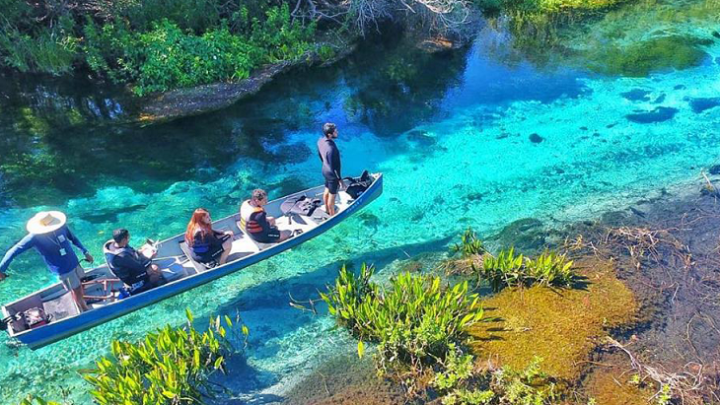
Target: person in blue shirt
(49,235)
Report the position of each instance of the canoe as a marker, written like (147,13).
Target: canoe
(179,270)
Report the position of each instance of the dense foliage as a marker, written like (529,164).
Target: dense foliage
(171,366)
(415,321)
(156,45)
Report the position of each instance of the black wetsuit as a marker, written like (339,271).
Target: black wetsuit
(330,158)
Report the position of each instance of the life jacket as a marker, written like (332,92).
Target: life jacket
(126,263)
(248,221)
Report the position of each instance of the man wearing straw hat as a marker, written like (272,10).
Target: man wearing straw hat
(49,235)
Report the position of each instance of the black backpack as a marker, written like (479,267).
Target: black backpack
(358,186)
(301,205)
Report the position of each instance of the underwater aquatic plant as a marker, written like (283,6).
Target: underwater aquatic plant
(415,320)
(460,383)
(525,387)
(170,366)
(34,400)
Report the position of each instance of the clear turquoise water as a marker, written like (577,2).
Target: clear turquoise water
(453,137)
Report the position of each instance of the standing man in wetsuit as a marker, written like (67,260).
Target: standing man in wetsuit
(330,158)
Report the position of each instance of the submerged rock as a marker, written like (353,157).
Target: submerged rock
(422,137)
(535,138)
(659,114)
(525,234)
(699,105)
(636,95)
(715,169)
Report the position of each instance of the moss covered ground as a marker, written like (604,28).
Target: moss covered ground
(562,326)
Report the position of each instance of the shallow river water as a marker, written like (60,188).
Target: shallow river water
(546,120)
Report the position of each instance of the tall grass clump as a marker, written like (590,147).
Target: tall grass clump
(415,321)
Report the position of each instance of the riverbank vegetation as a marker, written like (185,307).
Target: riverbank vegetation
(159,45)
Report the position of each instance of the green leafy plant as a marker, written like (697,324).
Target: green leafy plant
(469,245)
(35,400)
(510,269)
(50,50)
(460,384)
(551,269)
(526,387)
(456,381)
(170,366)
(664,397)
(415,321)
(504,270)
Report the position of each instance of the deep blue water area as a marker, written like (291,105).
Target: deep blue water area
(506,128)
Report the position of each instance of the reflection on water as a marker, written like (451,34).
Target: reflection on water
(512,126)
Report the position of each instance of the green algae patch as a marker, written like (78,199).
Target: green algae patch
(656,54)
(561,326)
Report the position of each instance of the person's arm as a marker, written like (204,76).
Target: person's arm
(336,163)
(331,160)
(335,166)
(80,246)
(261,218)
(135,262)
(24,244)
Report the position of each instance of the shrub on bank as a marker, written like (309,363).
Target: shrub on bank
(154,52)
(167,57)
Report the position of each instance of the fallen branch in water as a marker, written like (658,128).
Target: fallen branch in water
(686,386)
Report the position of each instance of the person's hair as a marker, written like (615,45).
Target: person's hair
(120,234)
(196,223)
(258,194)
(329,128)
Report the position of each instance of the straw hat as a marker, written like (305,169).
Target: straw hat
(45,222)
